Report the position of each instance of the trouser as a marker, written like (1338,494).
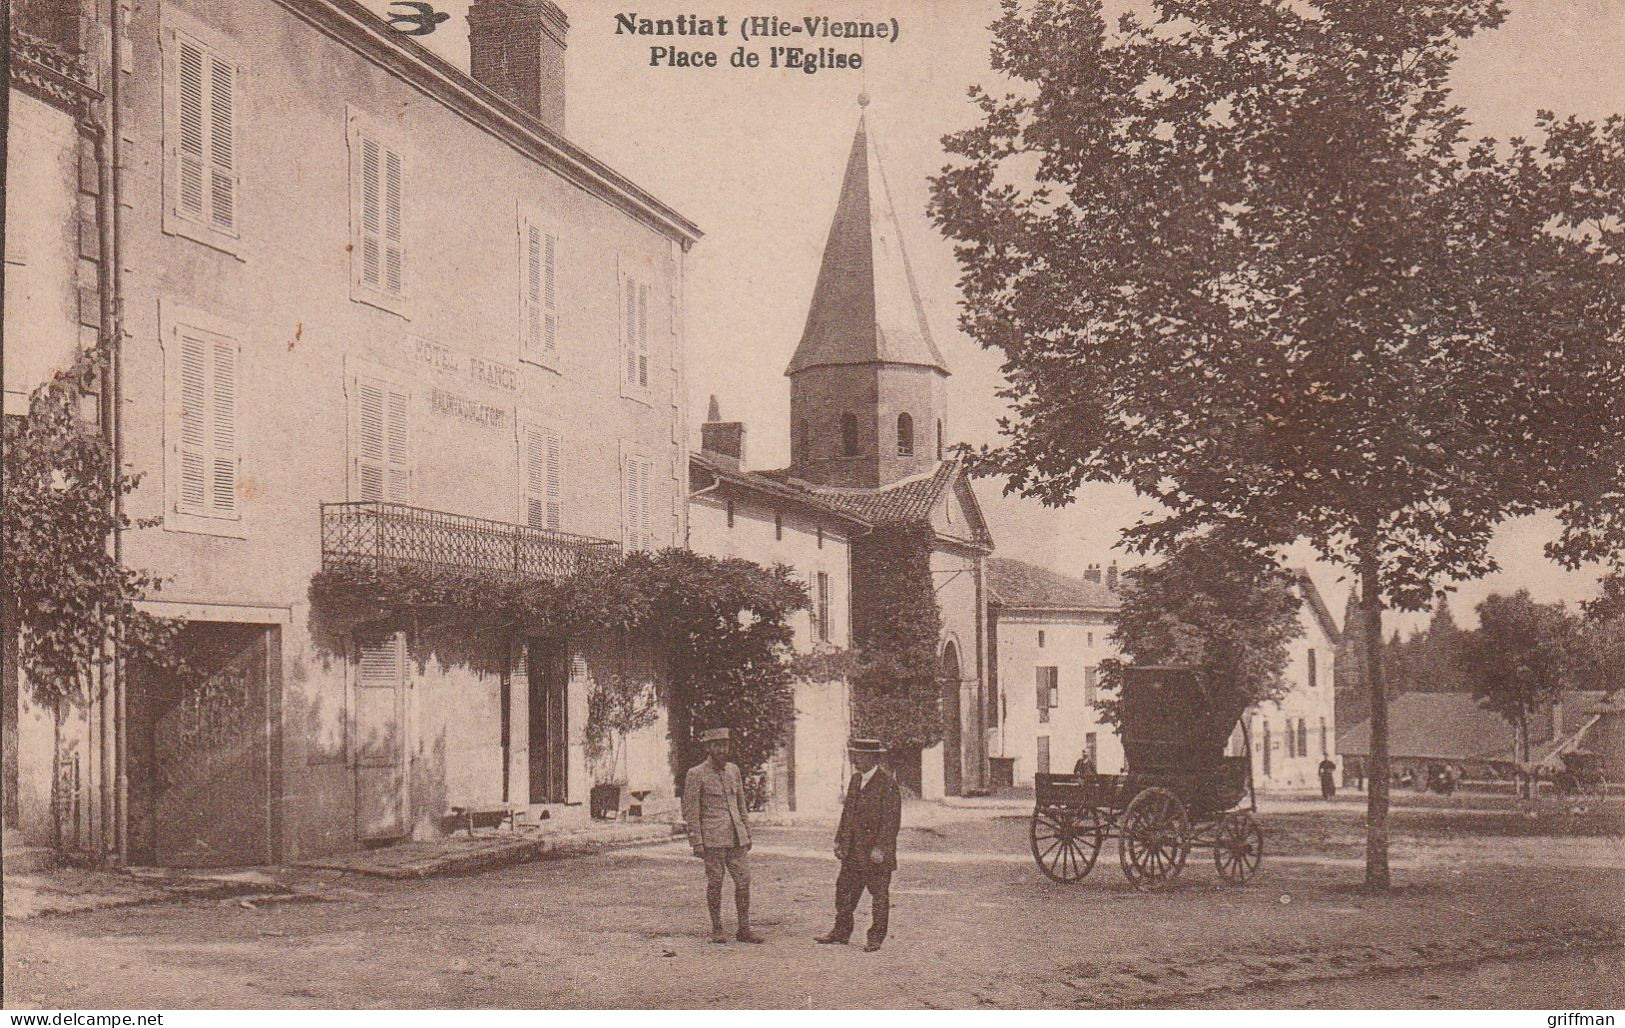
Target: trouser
(1327,788)
(849,886)
(731,860)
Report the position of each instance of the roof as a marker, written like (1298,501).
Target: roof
(1306,586)
(787,491)
(1016,583)
(865,306)
(366,33)
(1435,725)
(908,502)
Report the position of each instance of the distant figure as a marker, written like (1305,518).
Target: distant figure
(1328,788)
(1085,764)
(866,844)
(714,808)
(1359,775)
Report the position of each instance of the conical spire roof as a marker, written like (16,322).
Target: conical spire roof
(865,308)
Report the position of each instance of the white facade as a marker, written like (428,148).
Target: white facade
(1065,647)
(729,518)
(1290,737)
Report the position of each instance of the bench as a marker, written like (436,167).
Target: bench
(493,814)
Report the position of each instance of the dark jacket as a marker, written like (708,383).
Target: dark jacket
(870,819)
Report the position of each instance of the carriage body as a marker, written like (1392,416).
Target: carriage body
(1178,791)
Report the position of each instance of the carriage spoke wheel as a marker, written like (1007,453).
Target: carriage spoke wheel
(1066,842)
(1154,840)
(1238,847)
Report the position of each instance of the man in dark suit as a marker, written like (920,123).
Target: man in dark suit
(866,844)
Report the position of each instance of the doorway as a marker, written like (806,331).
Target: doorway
(548,672)
(953,743)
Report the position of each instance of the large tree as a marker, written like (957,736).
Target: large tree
(1244,258)
(1518,662)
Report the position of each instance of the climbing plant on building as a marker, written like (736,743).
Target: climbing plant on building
(66,596)
(896,626)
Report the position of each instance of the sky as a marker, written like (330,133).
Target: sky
(754,156)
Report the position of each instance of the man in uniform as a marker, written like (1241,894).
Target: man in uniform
(866,844)
(714,809)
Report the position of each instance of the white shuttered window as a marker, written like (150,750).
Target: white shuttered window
(378,192)
(381,454)
(204,136)
(637,474)
(539,308)
(635,332)
(541,470)
(206,456)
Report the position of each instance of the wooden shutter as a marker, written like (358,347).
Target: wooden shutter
(550,307)
(191,62)
(206,139)
(382,251)
(541,321)
(645,504)
(206,449)
(643,336)
(383,457)
(638,514)
(1043,689)
(543,460)
(629,334)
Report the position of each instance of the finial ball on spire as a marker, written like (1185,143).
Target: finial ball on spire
(863,99)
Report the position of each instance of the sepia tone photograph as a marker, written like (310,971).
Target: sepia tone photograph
(1123,501)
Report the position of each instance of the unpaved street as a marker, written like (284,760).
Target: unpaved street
(1490,908)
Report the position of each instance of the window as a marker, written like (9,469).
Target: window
(849,435)
(635,332)
(204,383)
(1291,740)
(380,442)
(201,136)
(823,607)
(905,435)
(778,525)
(541,462)
(1090,638)
(728,506)
(1311,666)
(1040,638)
(1091,682)
(538,297)
(1324,751)
(378,238)
(1268,756)
(636,517)
(1049,691)
(820,537)
(939,439)
(1303,737)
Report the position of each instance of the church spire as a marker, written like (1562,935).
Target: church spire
(865,307)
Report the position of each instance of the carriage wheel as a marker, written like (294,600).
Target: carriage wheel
(1155,839)
(1066,842)
(1238,847)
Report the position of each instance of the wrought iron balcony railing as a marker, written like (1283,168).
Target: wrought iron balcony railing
(382,536)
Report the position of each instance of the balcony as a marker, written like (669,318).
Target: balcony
(384,536)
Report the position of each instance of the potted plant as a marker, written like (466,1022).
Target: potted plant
(617,705)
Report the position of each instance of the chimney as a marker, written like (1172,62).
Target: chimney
(723,438)
(516,49)
(1091,573)
(1111,577)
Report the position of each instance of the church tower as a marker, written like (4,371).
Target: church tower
(868,387)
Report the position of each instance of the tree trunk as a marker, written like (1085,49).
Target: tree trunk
(1376,825)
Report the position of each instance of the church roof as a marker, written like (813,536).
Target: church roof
(865,307)
(909,502)
(1016,583)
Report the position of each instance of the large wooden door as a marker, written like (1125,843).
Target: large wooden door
(381,807)
(953,733)
(211,753)
(548,671)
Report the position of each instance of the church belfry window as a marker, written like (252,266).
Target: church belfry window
(905,435)
(849,435)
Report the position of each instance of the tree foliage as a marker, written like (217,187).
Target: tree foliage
(66,596)
(722,624)
(1519,658)
(1209,604)
(1244,258)
(896,629)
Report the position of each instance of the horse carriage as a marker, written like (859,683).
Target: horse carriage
(1178,792)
